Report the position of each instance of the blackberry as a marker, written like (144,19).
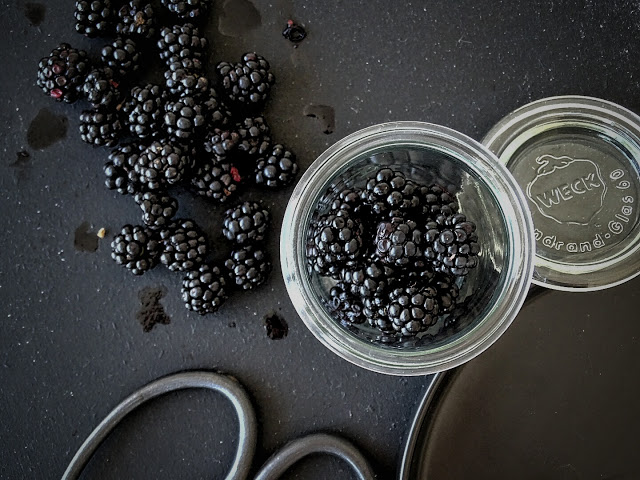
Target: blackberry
(334,241)
(374,309)
(447,292)
(350,199)
(345,306)
(312,254)
(203,290)
(254,137)
(187,8)
(157,208)
(218,114)
(255,62)
(248,82)
(216,178)
(192,152)
(136,248)
(121,56)
(100,89)
(161,163)
(246,223)
(390,194)
(100,127)
(248,267)
(412,309)
(120,172)
(184,246)
(368,279)
(136,18)
(452,248)
(144,110)
(182,82)
(182,43)
(62,73)
(189,64)
(277,169)
(398,242)
(438,200)
(221,142)
(419,270)
(184,118)
(254,143)
(293,32)
(93,17)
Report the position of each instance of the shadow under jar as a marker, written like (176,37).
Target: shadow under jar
(490,294)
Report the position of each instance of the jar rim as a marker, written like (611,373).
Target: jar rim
(519,264)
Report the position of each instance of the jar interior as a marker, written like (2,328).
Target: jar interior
(481,287)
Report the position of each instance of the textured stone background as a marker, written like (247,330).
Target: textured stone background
(70,345)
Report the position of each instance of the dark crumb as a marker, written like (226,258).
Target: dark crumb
(232,324)
(22,159)
(293,32)
(276,326)
(152,311)
(20,166)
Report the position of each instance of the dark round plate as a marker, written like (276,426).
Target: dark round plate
(556,398)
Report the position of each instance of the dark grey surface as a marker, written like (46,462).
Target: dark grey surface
(71,347)
(562,402)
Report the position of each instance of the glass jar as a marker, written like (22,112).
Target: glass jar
(491,294)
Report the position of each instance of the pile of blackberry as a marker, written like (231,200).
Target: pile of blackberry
(204,133)
(398,251)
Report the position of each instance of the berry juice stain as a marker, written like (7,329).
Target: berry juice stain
(151,311)
(276,326)
(20,165)
(22,159)
(46,129)
(35,13)
(84,239)
(238,17)
(325,114)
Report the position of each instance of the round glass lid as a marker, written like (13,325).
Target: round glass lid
(576,159)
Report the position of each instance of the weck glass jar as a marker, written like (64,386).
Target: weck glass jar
(490,295)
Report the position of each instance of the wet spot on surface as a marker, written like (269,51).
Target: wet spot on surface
(84,239)
(152,312)
(46,129)
(20,165)
(35,13)
(325,114)
(276,326)
(238,17)
(22,159)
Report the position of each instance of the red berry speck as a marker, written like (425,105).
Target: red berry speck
(235,174)
(56,93)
